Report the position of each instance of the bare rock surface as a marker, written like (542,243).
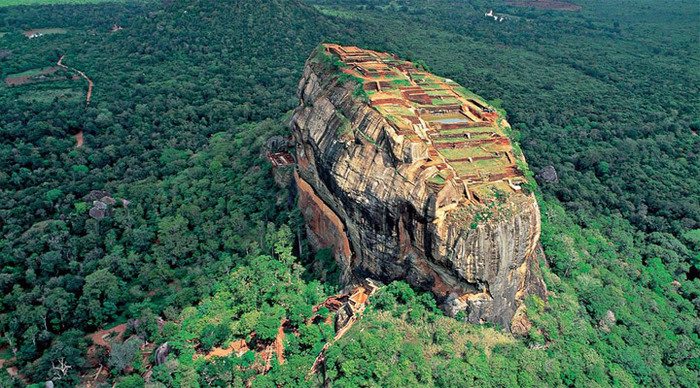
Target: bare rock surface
(364,194)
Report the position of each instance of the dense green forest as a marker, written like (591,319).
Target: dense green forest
(198,247)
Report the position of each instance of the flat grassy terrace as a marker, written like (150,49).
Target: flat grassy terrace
(457,139)
(461,131)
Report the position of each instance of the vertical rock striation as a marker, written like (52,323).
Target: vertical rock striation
(394,202)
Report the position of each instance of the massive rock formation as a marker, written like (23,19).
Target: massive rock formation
(406,175)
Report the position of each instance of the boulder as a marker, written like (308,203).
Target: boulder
(547,175)
(161,353)
(607,322)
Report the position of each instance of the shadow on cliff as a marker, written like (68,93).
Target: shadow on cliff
(321,266)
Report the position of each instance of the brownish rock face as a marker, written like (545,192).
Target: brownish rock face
(399,199)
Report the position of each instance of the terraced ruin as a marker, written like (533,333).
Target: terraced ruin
(465,138)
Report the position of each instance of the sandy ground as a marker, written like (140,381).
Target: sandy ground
(79,139)
(100,337)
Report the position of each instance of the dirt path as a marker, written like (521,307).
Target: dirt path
(100,337)
(90,83)
(79,139)
(236,347)
(357,301)
(279,344)
(79,136)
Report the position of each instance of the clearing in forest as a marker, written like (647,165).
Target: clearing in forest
(79,139)
(106,337)
(237,347)
(52,73)
(37,32)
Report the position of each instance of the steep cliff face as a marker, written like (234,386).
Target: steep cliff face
(404,186)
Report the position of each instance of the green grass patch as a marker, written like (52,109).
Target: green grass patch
(460,131)
(458,153)
(400,82)
(445,101)
(395,110)
(466,93)
(485,166)
(457,132)
(438,93)
(450,139)
(455,139)
(437,179)
(428,85)
(29,73)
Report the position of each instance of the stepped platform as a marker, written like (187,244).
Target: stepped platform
(465,136)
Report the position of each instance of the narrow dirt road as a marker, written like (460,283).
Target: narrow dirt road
(79,136)
(90,83)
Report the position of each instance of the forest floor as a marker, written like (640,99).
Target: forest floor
(6,356)
(266,351)
(238,347)
(100,337)
(79,139)
(276,348)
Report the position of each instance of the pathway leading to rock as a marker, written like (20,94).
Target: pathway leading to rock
(357,302)
(90,83)
(79,136)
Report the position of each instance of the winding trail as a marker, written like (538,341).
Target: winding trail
(79,136)
(90,83)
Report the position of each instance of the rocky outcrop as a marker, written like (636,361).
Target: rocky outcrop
(548,175)
(368,194)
